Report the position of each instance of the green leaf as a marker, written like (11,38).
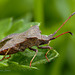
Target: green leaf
(17,26)
(21,60)
(27,26)
(51,56)
(14,66)
(5,25)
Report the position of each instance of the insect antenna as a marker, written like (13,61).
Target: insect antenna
(61,27)
(61,34)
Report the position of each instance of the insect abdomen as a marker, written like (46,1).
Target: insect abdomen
(11,51)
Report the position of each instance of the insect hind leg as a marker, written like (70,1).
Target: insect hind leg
(8,57)
(46,47)
(2,58)
(5,55)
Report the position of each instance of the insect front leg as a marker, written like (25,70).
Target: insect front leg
(34,55)
(5,55)
(46,47)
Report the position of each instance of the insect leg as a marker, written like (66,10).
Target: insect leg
(34,55)
(46,47)
(8,57)
(5,55)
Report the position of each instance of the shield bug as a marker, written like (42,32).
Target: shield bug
(32,37)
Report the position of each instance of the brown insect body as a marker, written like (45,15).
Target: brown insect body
(19,42)
(32,37)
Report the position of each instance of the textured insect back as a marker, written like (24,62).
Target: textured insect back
(33,32)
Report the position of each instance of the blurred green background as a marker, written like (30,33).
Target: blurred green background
(51,14)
